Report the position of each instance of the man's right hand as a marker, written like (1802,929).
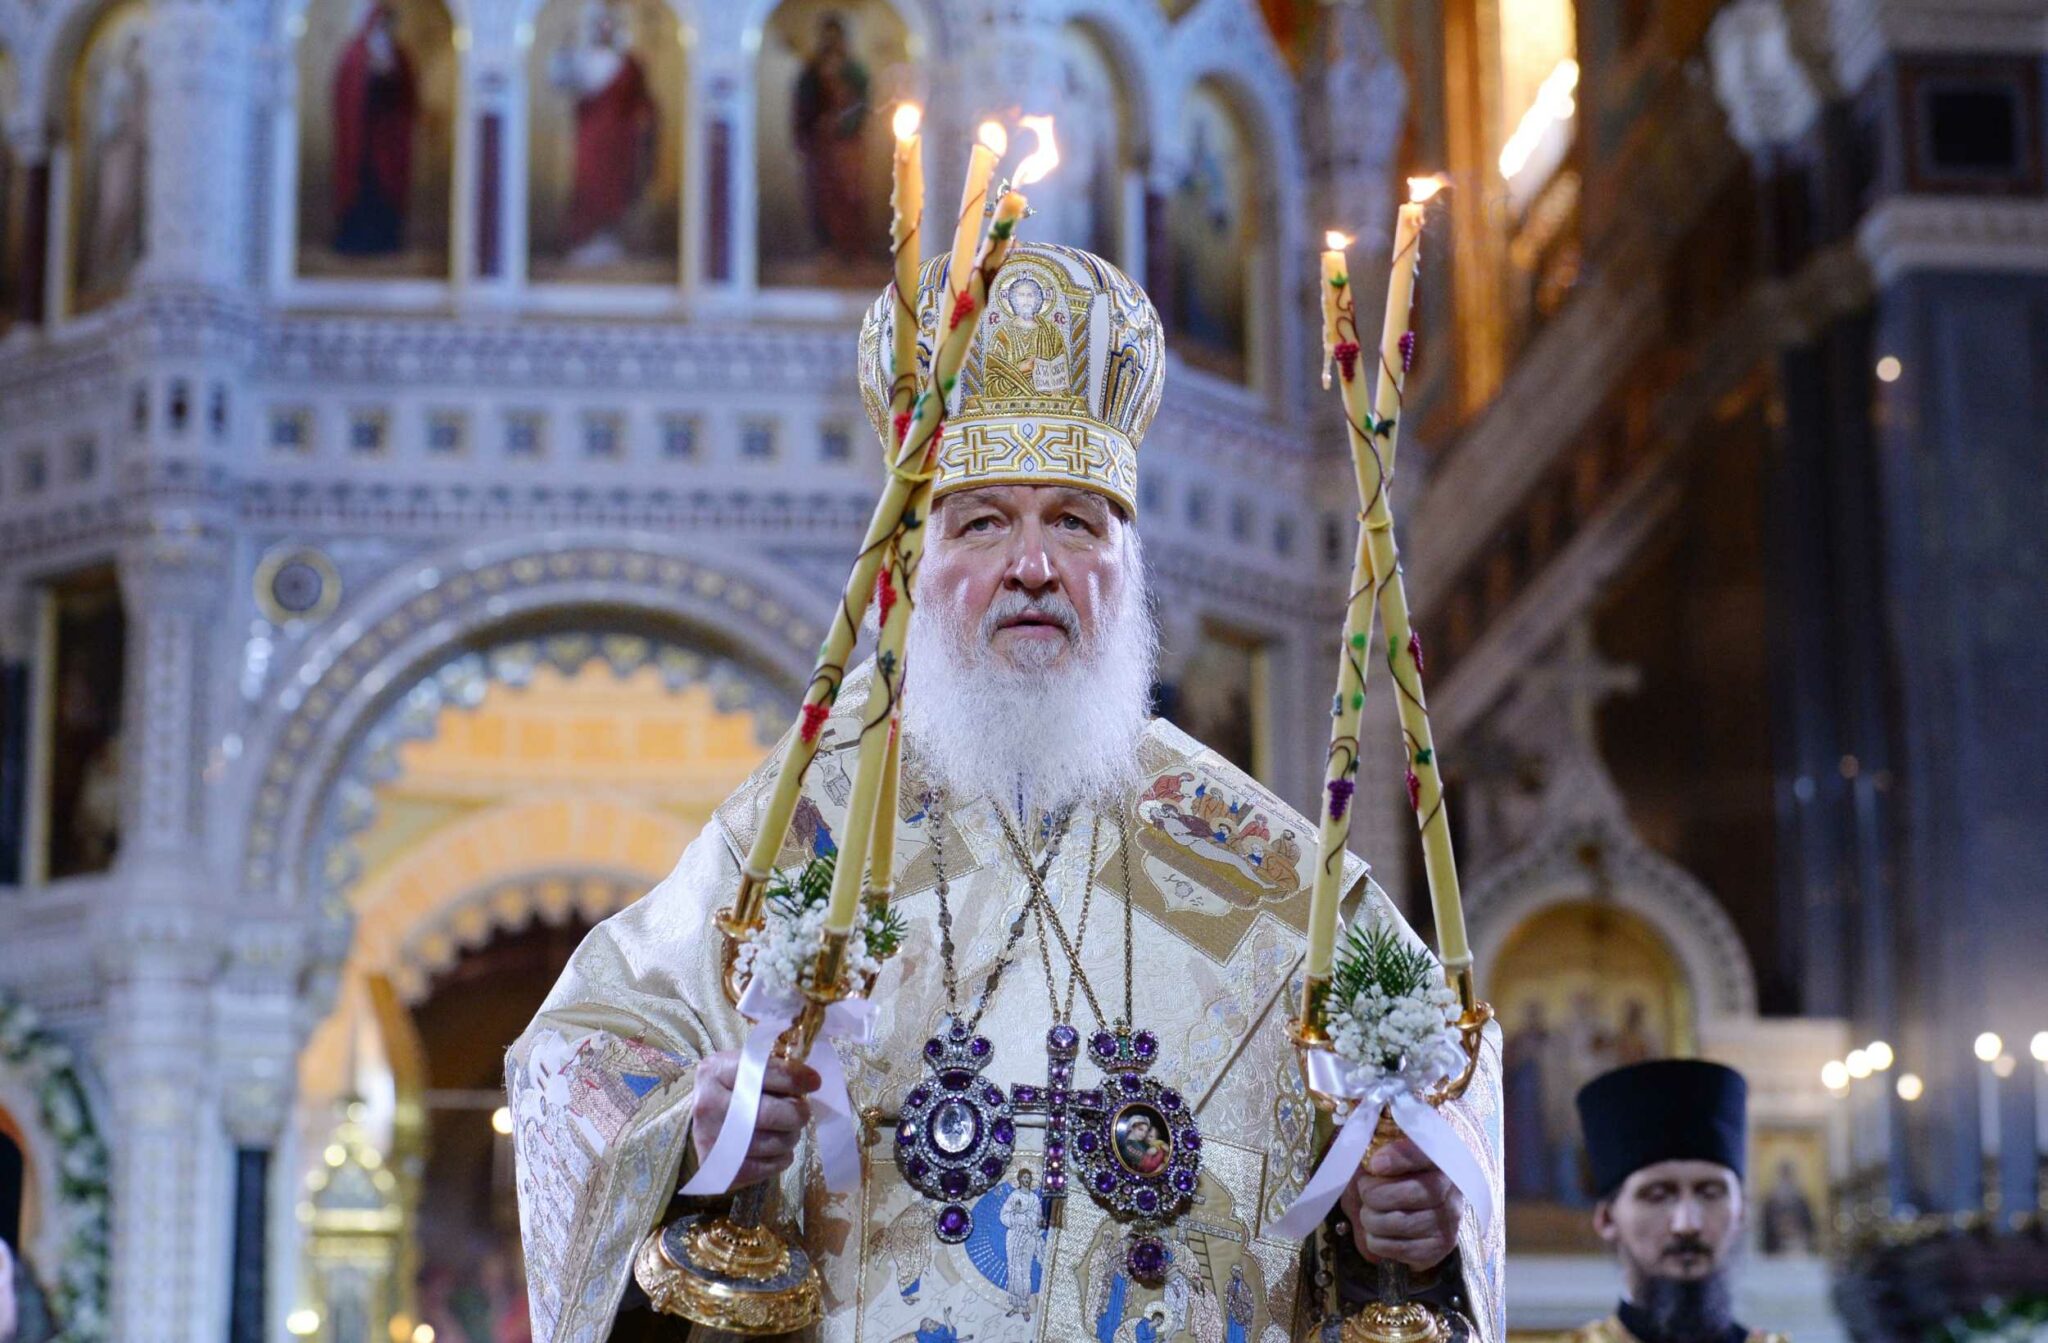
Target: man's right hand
(783,1114)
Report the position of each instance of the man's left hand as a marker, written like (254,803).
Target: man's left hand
(1401,1207)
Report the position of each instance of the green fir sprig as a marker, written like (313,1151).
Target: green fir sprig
(1377,956)
(811,888)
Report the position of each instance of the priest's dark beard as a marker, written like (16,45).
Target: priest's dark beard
(1687,1310)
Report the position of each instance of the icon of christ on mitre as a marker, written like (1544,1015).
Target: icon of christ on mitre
(1117,988)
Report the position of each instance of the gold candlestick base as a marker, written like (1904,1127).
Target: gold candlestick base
(723,1273)
(1405,1323)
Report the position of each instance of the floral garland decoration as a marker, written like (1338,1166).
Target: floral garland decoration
(79,1295)
(783,955)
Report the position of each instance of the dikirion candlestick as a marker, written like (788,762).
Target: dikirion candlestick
(898,578)
(914,456)
(1377,585)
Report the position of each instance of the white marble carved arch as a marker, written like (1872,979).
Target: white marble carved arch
(1120,34)
(379,646)
(280,215)
(1554,869)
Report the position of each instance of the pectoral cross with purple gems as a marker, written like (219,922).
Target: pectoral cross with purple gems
(1056,1100)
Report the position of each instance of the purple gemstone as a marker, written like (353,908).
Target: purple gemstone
(978,1047)
(956,1080)
(915,1168)
(932,1048)
(1130,1082)
(1184,1180)
(1055,1150)
(1088,1100)
(1005,1132)
(1192,1142)
(918,1096)
(1105,1182)
(1147,1260)
(991,1166)
(959,1031)
(1057,1124)
(1169,1100)
(1087,1142)
(906,1133)
(1104,1043)
(1027,1095)
(992,1093)
(953,1224)
(1055,1181)
(1062,1036)
(1059,1097)
(1146,1044)
(1148,1201)
(1062,1073)
(954,1183)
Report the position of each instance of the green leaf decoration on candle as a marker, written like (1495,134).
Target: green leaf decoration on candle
(1002,228)
(1358,641)
(1339,281)
(1425,755)
(1358,699)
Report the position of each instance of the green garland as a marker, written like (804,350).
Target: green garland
(2024,1319)
(78,1297)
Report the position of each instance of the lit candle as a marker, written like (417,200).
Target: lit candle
(1988,1049)
(2039,1049)
(906,203)
(956,332)
(991,143)
(1376,582)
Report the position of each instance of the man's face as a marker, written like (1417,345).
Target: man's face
(1679,1220)
(1025,571)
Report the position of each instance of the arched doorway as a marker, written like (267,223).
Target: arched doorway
(521,790)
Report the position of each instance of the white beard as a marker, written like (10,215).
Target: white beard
(1032,737)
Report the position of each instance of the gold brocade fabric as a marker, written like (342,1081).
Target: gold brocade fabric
(600,1082)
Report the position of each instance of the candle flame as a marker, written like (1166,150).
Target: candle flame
(1336,241)
(1044,158)
(908,117)
(1422,189)
(995,137)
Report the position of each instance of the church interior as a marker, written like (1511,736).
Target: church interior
(430,453)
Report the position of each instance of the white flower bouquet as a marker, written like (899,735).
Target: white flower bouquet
(1390,1011)
(782,956)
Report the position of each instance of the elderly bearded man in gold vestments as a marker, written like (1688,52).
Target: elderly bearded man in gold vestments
(1042,809)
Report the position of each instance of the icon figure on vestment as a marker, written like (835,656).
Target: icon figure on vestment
(1020,1217)
(1027,354)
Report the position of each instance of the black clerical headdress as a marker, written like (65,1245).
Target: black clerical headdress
(1663,1110)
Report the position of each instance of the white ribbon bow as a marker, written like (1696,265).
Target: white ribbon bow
(851,1020)
(1375,1091)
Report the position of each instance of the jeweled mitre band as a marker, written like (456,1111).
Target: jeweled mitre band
(1059,385)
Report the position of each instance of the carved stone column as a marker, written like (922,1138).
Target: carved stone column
(200,59)
(160,932)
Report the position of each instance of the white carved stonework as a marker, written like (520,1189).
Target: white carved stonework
(1865,33)
(1583,848)
(1953,233)
(1771,99)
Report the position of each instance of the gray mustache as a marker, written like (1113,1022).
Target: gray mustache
(1051,607)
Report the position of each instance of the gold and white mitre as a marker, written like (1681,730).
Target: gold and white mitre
(1060,381)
